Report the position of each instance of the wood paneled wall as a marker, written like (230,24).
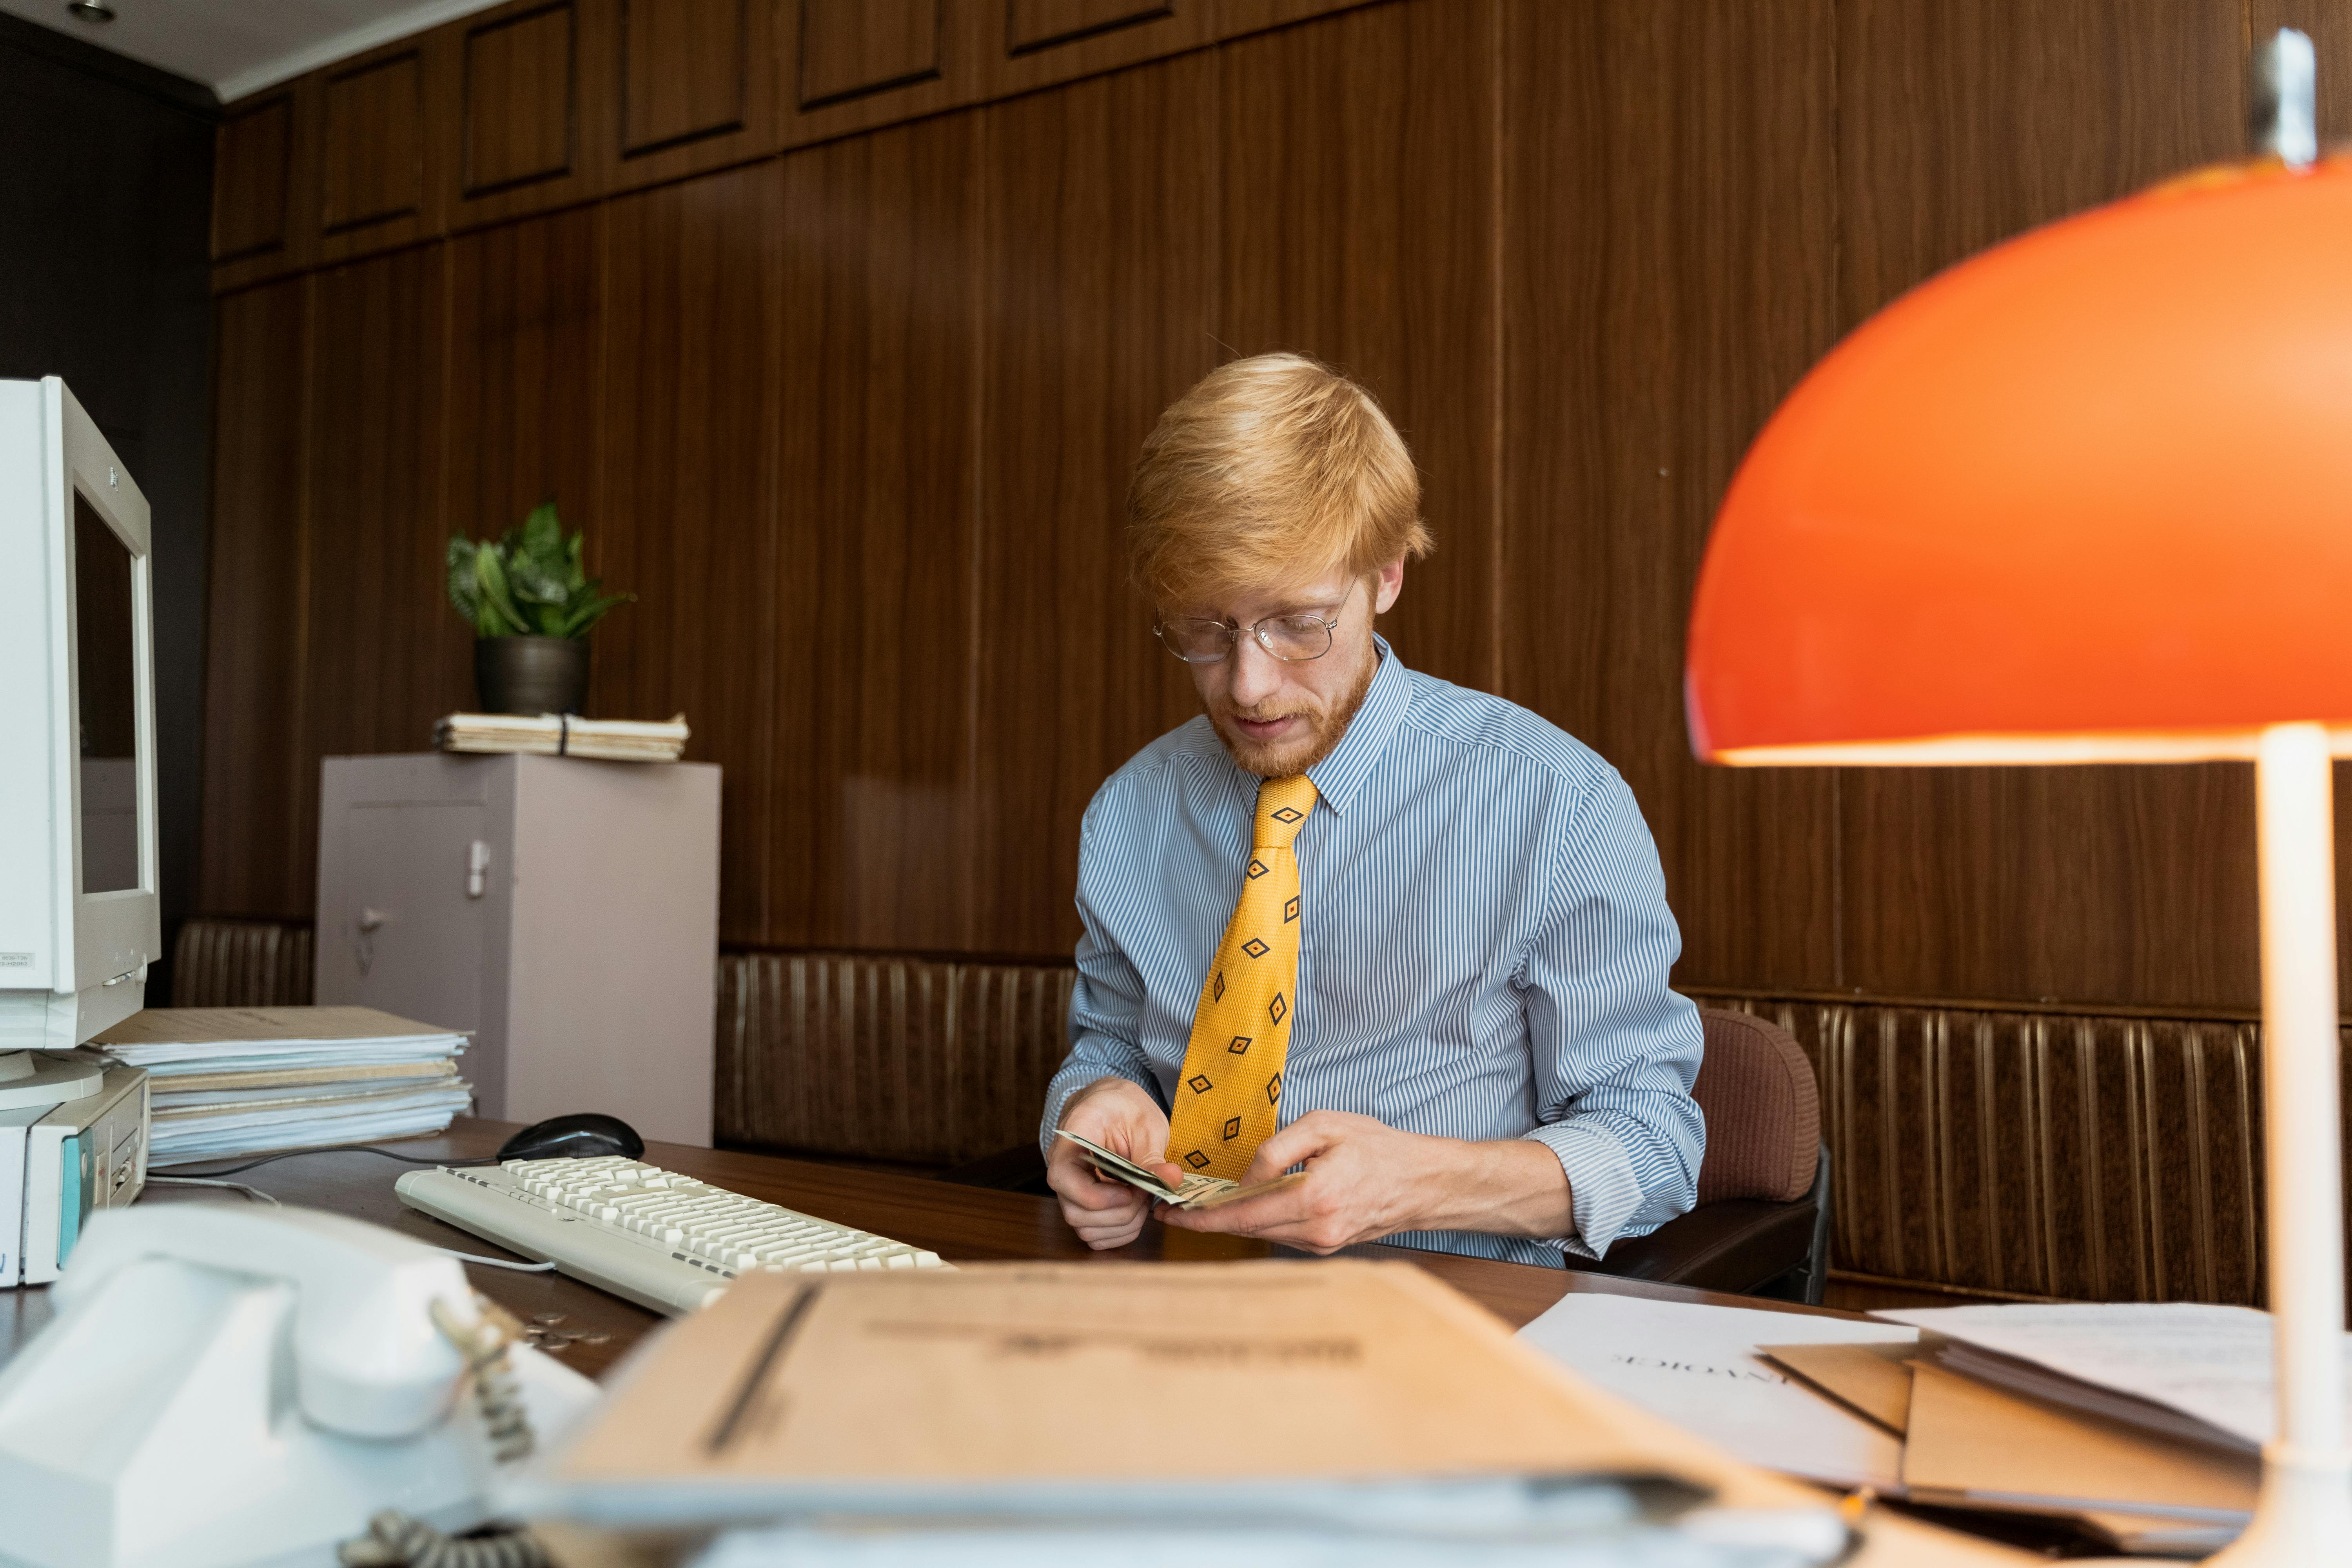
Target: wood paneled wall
(837,324)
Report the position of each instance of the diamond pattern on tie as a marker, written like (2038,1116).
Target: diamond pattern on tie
(1220,1119)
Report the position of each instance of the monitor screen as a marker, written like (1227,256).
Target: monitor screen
(107,656)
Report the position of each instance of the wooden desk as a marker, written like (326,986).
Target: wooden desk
(960,1224)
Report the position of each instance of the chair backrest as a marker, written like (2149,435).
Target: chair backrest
(1763,1110)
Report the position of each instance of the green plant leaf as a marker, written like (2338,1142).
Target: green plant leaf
(588,611)
(499,619)
(577,578)
(542,534)
(463,593)
(533,584)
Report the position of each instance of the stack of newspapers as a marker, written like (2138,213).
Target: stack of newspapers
(563,735)
(247,1081)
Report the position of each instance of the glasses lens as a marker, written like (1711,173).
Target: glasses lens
(1196,641)
(1296,638)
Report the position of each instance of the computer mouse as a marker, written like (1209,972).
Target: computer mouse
(582,1135)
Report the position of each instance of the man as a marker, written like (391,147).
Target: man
(1409,937)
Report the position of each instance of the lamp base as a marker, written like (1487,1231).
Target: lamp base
(2302,1515)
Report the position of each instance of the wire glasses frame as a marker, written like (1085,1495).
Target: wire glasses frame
(1294,640)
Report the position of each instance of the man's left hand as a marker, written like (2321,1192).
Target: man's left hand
(1366,1180)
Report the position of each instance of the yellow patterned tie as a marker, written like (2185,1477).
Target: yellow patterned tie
(1226,1105)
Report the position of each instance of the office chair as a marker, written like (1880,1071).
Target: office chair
(1762,1224)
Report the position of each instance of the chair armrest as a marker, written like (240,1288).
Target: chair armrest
(1734,1245)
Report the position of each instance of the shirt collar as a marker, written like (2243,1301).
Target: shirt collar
(1338,776)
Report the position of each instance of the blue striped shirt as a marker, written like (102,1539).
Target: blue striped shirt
(1484,950)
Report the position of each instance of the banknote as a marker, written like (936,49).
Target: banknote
(1196,1192)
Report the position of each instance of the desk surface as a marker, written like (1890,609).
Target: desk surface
(961,1223)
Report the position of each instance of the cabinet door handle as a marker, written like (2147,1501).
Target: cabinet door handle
(363,931)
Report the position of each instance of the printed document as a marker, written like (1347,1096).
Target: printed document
(2207,1362)
(1699,1366)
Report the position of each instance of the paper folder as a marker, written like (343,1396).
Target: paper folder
(1345,1390)
(1972,1444)
(1874,1380)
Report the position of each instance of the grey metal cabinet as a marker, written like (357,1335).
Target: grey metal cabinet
(564,911)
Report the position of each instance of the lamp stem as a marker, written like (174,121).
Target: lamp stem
(2304,1512)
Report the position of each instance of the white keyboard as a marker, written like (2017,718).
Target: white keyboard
(663,1240)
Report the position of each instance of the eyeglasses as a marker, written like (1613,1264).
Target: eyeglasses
(1294,640)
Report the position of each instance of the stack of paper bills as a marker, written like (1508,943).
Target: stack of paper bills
(1196,1192)
(244,1081)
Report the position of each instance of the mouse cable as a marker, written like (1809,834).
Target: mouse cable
(256,1193)
(348,1149)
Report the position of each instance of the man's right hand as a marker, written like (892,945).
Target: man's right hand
(1123,1119)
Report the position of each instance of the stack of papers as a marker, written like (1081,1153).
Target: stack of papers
(560,735)
(2151,1410)
(1345,1413)
(2187,1369)
(246,1080)
(2136,1426)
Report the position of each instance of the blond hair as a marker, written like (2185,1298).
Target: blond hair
(1271,471)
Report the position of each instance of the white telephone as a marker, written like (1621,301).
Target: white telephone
(229,1386)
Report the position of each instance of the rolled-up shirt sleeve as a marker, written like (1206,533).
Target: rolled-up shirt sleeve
(1106,1005)
(1615,1049)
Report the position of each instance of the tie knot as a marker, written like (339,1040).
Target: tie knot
(1282,808)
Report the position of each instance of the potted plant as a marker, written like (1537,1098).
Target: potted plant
(532,604)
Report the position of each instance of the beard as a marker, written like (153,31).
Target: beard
(1294,754)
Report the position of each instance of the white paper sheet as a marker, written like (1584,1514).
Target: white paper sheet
(2213,1363)
(1698,1367)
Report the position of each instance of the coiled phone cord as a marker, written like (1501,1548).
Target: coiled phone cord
(396,1540)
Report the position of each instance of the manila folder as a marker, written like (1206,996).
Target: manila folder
(1872,1380)
(1970,1443)
(894,1391)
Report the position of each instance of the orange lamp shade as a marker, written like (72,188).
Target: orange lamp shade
(2085,497)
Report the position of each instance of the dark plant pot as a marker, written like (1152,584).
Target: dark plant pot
(531,675)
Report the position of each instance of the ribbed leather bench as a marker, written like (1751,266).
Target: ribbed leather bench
(2036,1151)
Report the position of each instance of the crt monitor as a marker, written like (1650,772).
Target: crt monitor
(78,918)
